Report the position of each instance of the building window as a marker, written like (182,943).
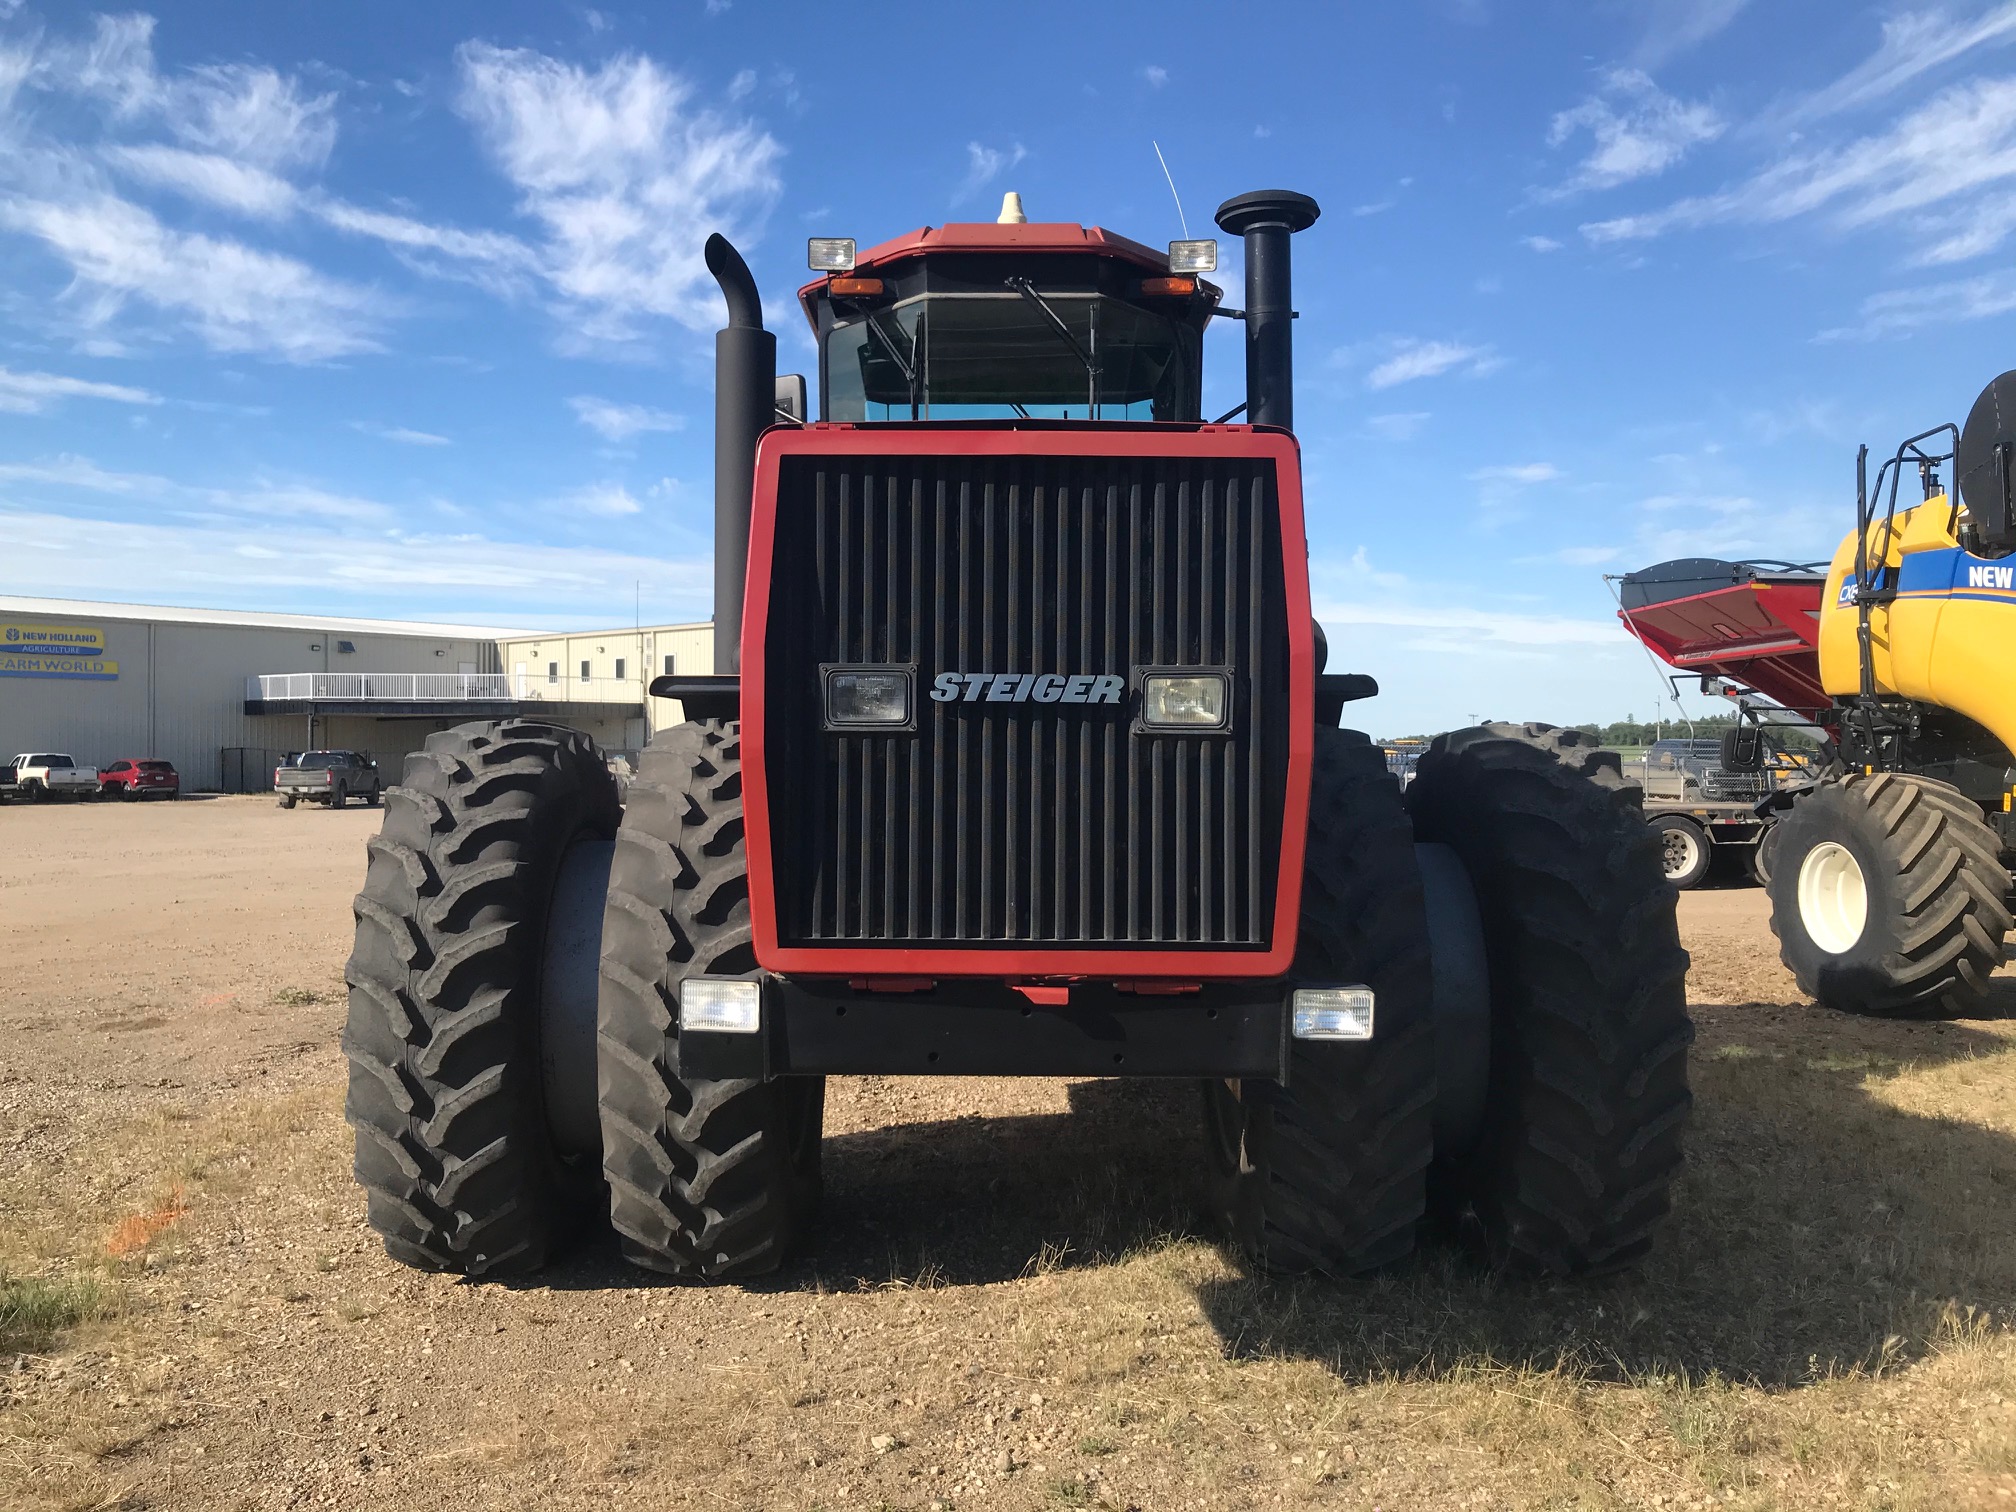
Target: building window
(584,671)
(552,672)
(668,666)
(619,669)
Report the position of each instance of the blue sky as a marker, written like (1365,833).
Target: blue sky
(399,310)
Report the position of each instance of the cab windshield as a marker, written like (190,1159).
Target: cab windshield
(1008,355)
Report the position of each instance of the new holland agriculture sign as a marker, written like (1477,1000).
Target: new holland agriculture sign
(76,651)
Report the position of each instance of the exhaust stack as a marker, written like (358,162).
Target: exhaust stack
(745,396)
(1266,218)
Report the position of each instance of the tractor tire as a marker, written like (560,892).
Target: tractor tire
(1888,897)
(712,1179)
(1764,855)
(1587,1097)
(1684,849)
(1329,1173)
(446,1094)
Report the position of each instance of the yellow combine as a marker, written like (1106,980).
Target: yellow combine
(1890,876)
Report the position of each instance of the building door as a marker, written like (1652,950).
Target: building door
(519,679)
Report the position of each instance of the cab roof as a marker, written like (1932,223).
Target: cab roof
(990,236)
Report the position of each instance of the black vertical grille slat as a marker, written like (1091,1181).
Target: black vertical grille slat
(1022,823)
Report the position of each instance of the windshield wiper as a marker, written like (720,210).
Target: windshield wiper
(906,366)
(1027,290)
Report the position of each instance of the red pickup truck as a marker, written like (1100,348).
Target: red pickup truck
(139,779)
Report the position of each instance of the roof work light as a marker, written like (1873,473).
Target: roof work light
(1193,257)
(830,254)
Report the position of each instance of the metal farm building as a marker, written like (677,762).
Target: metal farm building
(224,694)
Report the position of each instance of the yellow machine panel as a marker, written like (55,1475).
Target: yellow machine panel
(1949,637)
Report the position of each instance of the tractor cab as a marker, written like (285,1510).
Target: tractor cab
(1010,321)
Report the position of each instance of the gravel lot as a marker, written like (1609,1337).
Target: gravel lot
(1009,1306)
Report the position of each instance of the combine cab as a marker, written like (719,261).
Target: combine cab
(1020,757)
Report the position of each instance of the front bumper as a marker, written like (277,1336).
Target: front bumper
(825,1027)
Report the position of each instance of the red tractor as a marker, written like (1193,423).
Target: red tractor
(1020,758)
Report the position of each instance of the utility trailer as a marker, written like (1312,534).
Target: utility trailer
(1020,757)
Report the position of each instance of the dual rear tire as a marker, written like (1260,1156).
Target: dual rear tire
(1558,1150)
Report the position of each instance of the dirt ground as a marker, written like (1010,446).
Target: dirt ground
(1010,1305)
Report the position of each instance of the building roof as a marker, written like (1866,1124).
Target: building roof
(538,635)
(169,614)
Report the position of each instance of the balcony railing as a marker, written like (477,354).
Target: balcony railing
(438,687)
(382,687)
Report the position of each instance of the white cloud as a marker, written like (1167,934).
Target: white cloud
(1397,427)
(1673,27)
(1377,207)
(1638,131)
(1430,359)
(237,298)
(1155,75)
(985,164)
(400,434)
(742,85)
(1587,556)
(236,110)
(608,499)
(209,177)
(321,566)
(1540,243)
(1914,43)
(34,393)
(625,175)
(1955,145)
(1900,311)
(1518,472)
(619,422)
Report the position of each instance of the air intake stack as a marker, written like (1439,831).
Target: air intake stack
(745,397)
(1266,218)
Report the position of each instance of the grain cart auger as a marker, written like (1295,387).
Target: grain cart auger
(1019,758)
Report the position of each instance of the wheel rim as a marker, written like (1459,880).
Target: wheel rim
(1682,851)
(1833,897)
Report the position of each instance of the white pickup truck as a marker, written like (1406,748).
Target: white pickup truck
(49,774)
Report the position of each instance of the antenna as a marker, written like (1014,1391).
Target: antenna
(1181,220)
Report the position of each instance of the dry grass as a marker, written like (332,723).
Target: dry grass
(1015,1270)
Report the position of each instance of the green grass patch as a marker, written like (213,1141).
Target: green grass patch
(35,1309)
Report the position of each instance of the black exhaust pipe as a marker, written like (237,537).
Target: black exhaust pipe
(1266,218)
(745,396)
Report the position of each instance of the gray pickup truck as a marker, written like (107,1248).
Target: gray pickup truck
(327,777)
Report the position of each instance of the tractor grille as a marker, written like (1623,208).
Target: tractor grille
(1004,825)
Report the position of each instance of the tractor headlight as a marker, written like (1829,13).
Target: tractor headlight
(867,697)
(1186,700)
(830,254)
(1193,257)
(1331,1013)
(720,1005)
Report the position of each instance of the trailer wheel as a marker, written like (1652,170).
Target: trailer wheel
(1580,1142)
(1887,896)
(1684,849)
(447,1095)
(1764,855)
(708,1178)
(1329,1173)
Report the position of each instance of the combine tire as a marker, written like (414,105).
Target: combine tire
(1887,896)
(711,1179)
(1588,1093)
(1329,1173)
(1685,850)
(446,1096)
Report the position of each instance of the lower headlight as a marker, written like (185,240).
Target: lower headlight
(720,1005)
(1187,699)
(867,698)
(1331,1013)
